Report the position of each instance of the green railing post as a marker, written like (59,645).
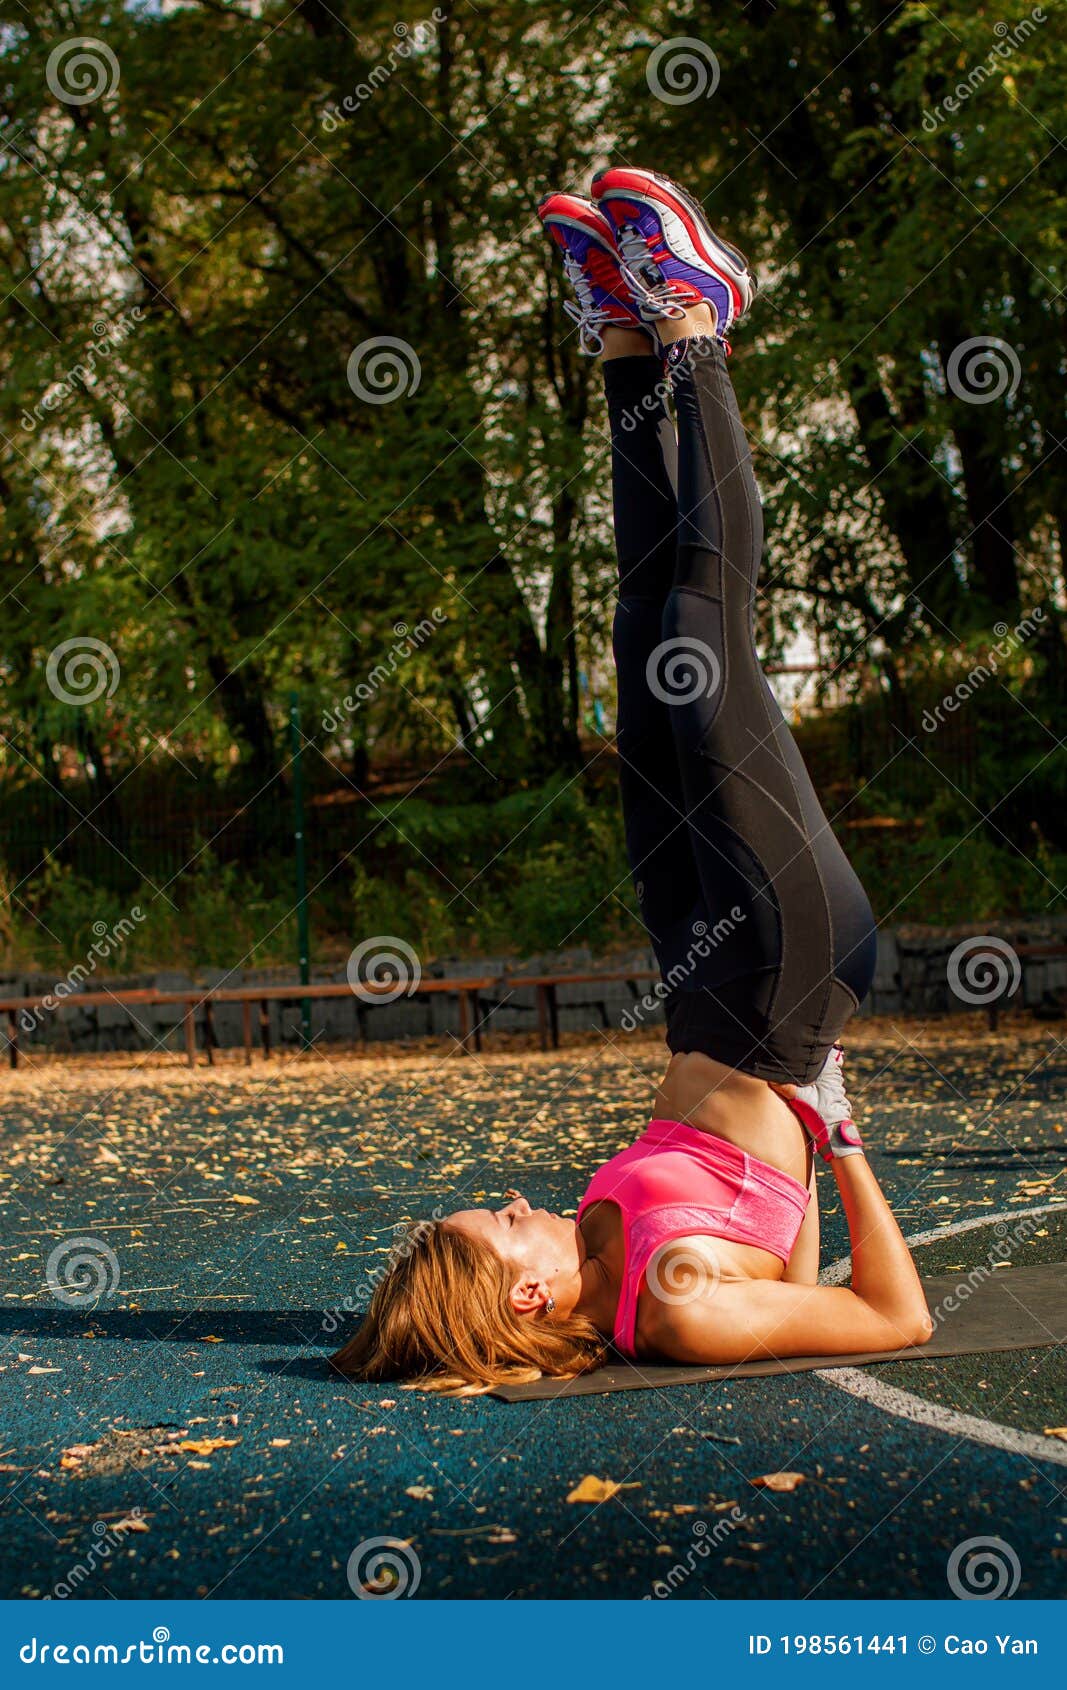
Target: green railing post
(303,946)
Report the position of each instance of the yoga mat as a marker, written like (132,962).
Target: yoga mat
(1021,1308)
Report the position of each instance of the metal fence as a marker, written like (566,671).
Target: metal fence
(160,818)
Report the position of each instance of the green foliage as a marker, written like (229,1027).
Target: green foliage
(217,918)
(538,871)
(188,475)
(945,879)
(218,915)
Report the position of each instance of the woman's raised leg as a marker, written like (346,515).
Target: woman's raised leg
(643,474)
(760,839)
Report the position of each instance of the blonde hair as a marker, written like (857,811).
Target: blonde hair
(442,1317)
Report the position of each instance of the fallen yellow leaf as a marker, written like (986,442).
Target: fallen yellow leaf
(75,1455)
(205,1446)
(239,1197)
(592,1489)
(778,1481)
(1056,1432)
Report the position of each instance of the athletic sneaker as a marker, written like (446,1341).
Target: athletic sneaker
(671,256)
(592,266)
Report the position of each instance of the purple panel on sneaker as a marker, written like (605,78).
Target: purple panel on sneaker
(710,286)
(674,269)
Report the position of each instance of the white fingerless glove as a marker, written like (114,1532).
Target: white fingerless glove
(826,1095)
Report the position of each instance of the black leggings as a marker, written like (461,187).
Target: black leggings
(763,933)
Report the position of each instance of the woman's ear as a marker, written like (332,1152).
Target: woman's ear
(529,1295)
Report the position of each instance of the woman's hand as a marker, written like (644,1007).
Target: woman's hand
(836,1133)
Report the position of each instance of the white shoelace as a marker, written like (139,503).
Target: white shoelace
(642,276)
(584,310)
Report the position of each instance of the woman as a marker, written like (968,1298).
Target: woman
(699,1243)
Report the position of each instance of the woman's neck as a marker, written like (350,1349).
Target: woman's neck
(603,1256)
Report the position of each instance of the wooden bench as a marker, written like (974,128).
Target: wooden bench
(468,989)
(195,1000)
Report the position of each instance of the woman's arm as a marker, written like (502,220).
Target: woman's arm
(802,1267)
(753,1319)
(883,1273)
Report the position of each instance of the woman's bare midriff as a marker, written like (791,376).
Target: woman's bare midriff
(734,1106)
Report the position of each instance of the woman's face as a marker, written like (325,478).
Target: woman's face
(540,1249)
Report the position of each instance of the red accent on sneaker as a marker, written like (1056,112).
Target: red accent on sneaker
(657,188)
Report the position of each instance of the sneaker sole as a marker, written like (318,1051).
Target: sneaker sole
(685,228)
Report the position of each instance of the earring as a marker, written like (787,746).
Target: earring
(550,1306)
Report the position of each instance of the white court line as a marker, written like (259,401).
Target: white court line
(916,1409)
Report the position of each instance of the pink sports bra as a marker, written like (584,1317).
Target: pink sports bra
(677,1181)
